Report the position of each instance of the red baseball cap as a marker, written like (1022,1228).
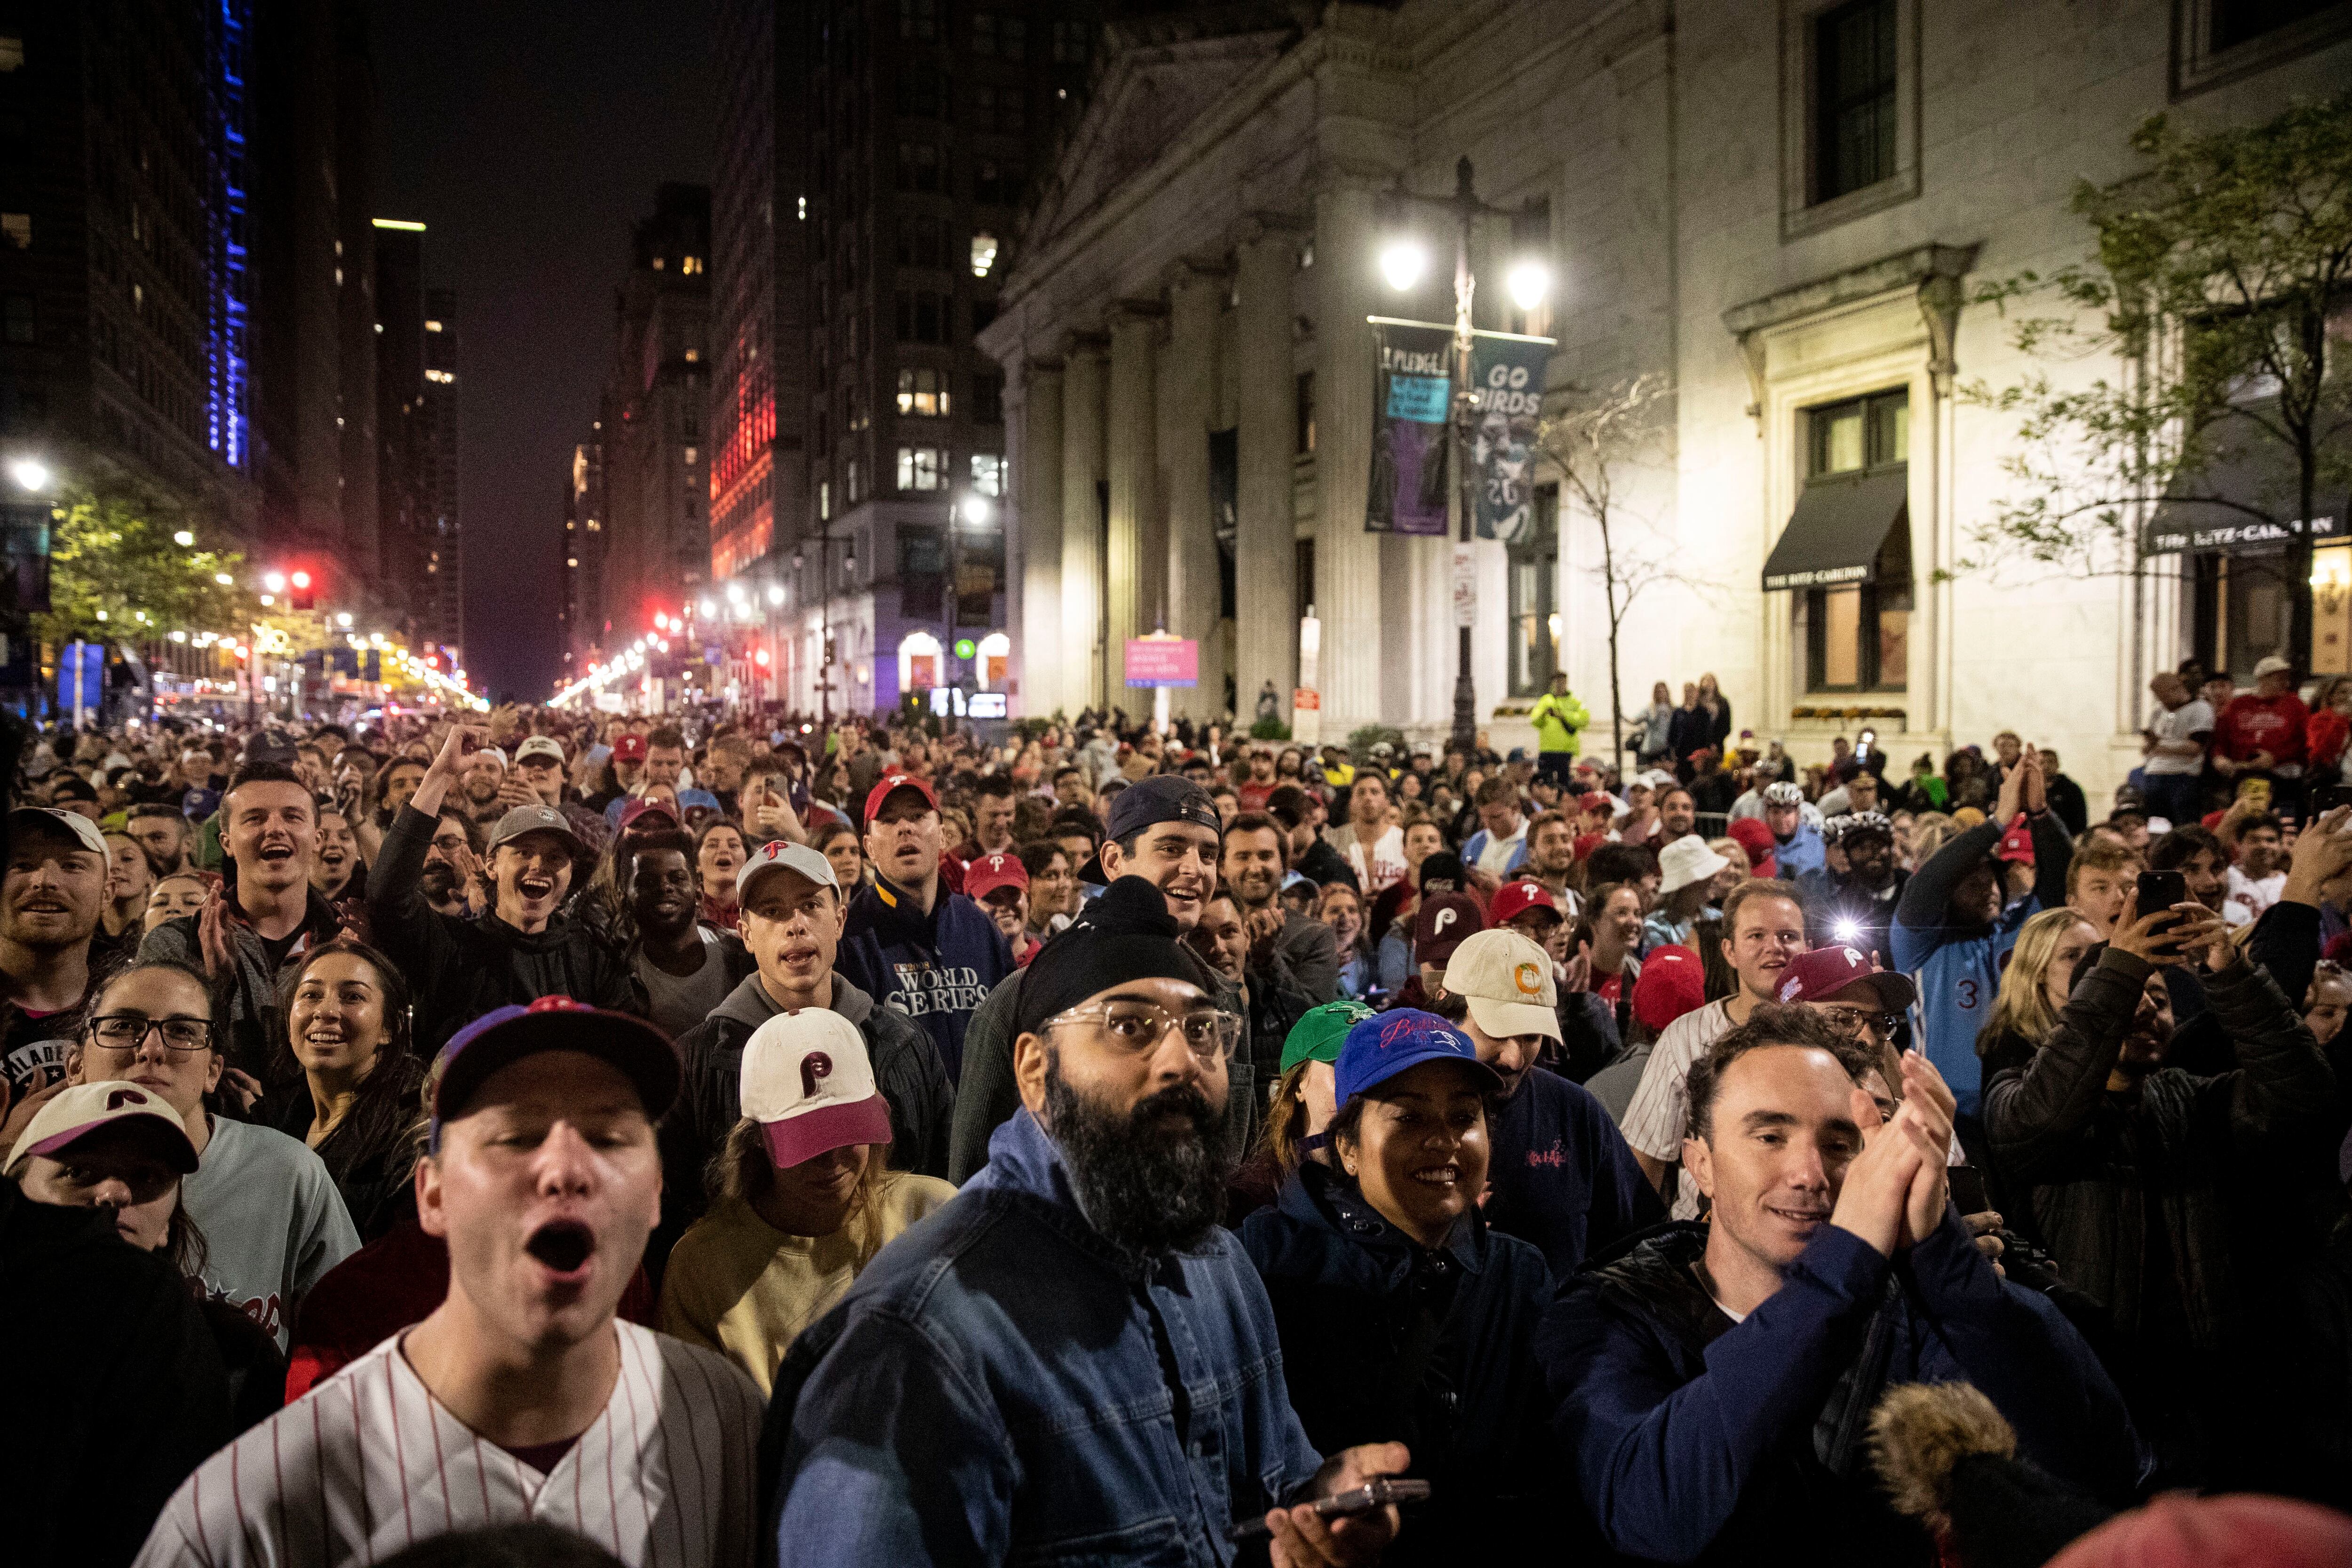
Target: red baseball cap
(1755,837)
(2199,1532)
(2017,844)
(1442,924)
(984,874)
(1594,800)
(1673,982)
(889,782)
(629,749)
(1513,899)
(644,807)
(1827,972)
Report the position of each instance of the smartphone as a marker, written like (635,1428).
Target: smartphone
(2327,798)
(1379,1492)
(2159,890)
(1967,1187)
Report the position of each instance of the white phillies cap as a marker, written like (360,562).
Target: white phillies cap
(782,855)
(546,746)
(1506,980)
(76,1113)
(807,1081)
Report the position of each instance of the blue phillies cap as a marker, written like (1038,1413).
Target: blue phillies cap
(638,1051)
(1387,1043)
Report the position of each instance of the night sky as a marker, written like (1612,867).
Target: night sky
(527,135)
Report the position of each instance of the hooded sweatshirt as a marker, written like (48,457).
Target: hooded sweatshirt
(935,968)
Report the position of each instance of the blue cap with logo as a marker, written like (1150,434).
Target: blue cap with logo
(1389,1043)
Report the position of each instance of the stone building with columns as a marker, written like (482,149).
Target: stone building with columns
(1782,206)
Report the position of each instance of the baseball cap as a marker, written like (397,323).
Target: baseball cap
(1673,982)
(1594,800)
(76,1113)
(73,787)
(637,807)
(698,799)
(781,855)
(2129,802)
(199,803)
(2017,844)
(1687,859)
(1378,1048)
(2272,665)
(808,1082)
(1755,835)
(987,873)
(83,830)
(495,753)
(525,819)
(1321,1031)
(1442,873)
(1823,973)
(1147,803)
(1440,925)
(2177,1530)
(1506,980)
(889,782)
(629,749)
(269,746)
(640,1052)
(1518,754)
(546,746)
(1513,899)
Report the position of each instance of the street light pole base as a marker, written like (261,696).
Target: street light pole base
(1465,699)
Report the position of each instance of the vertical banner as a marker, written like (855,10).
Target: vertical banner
(1306,698)
(1507,381)
(1411,396)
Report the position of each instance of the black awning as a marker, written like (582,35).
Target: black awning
(1834,535)
(2245,503)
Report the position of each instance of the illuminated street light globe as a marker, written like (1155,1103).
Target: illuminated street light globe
(1528,282)
(183,539)
(1403,261)
(977,511)
(30,473)
(275,581)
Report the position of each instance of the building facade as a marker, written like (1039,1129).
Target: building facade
(1779,211)
(421,532)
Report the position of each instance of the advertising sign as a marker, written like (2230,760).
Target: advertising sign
(1507,380)
(1413,394)
(1164,661)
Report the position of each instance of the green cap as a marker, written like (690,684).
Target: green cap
(1320,1032)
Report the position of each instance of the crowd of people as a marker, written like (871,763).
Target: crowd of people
(728,1139)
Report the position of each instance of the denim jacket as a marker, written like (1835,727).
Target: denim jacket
(1002,1385)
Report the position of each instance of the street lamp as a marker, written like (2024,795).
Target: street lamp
(1403,260)
(275,581)
(183,539)
(30,473)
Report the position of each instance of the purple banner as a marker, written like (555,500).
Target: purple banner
(1412,396)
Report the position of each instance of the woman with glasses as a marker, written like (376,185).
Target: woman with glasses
(272,1220)
(354,1079)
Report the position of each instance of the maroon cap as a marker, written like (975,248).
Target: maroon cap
(1673,982)
(629,749)
(1826,971)
(1513,899)
(2017,844)
(984,874)
(644,807)
(1755,837)
(889,782)
(1442,925)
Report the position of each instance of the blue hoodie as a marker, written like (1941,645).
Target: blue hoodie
(1002,1384)
(935,968)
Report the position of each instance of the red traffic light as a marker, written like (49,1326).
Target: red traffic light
(760,658)
(301,579)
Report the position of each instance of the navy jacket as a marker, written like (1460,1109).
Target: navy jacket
(1002,1385)
(935,968)
(1698,1440)
(1561,1175)
(1383,1342)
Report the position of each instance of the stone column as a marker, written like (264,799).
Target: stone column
(1188,394)
(1082,376)
(1135,557)
(1266,554)
(1037,484)
(1346,559)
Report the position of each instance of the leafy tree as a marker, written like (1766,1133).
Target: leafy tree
(115,572)
(2220,288)
(1593,439)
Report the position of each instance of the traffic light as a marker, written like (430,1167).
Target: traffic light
(303,592)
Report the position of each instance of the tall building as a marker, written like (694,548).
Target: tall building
(584,537)
(656,413)
(125,277)
(420,527)
(872,155)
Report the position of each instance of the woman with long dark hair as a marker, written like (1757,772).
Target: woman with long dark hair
(355,1101)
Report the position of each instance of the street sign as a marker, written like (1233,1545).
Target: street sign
(1161,660)
(1465,586)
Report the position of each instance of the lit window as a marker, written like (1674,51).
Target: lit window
(853,481)
(693,453)
(824,498)
(429,326)
(658,264)
(988,473)
(983,254)
(18,229)
(804,209)
(921,468)
(442,376)
(338,277)
(692,355)
(12,52)
(922,392)
(571,561)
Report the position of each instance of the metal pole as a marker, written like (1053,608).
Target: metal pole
(1465,694)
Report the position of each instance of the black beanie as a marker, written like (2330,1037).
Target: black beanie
(1126,934)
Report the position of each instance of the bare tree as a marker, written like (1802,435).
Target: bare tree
(1592,440)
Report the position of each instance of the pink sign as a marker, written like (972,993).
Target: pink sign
(1164,661)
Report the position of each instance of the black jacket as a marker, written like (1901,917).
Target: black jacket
(906,1069)
(1384,1342)
(2088,1161)
(460,968)
(116,1394)
(257,1025)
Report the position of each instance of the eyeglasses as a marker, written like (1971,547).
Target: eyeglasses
(129,1031)
(1138,1026)
(1854,1025)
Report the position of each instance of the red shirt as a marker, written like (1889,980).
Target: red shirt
(2251,722)
(1252,794)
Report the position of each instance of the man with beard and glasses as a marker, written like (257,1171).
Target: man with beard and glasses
(521,1396)
(1072,1360)
(1164,830)
(449,879)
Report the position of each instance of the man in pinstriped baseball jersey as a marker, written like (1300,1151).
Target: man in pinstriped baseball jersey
(520,1397)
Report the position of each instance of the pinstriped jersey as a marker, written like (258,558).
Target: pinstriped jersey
(369,1462)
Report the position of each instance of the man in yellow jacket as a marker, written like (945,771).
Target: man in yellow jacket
(1559,719)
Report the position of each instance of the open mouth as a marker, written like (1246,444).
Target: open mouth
(1443,1177)
(535,888)
(563,1245)
(324,1035)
